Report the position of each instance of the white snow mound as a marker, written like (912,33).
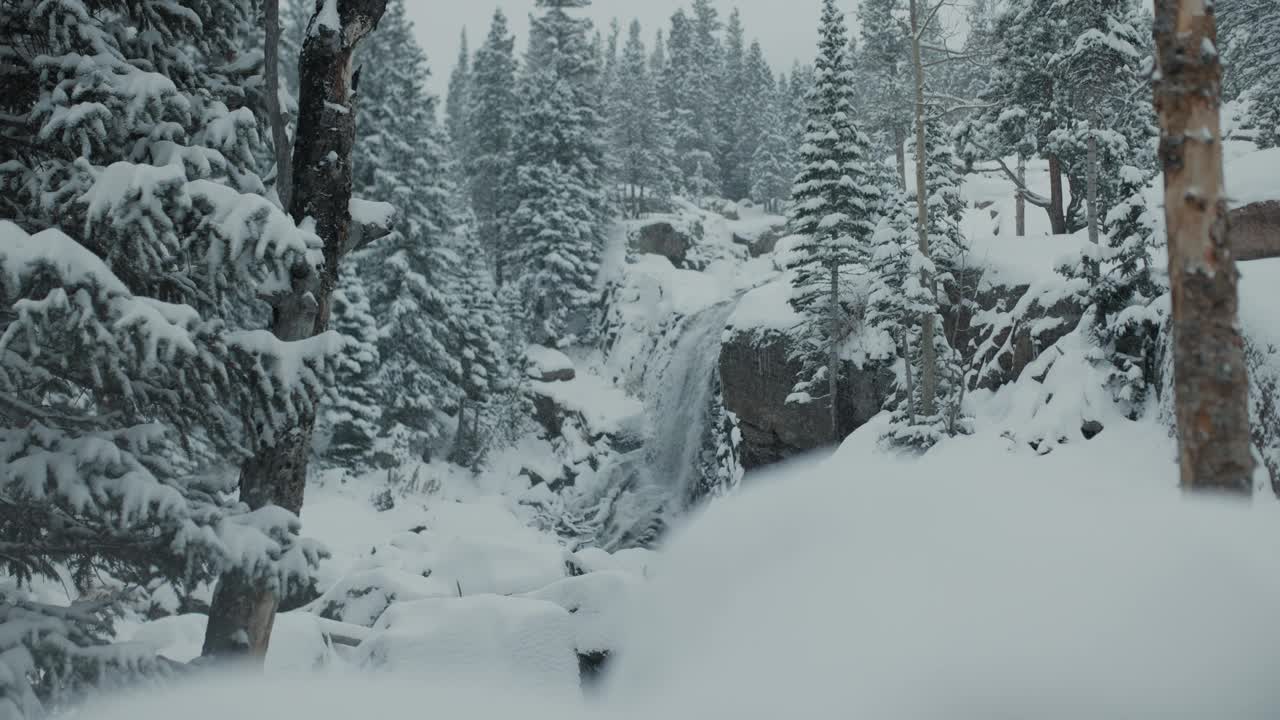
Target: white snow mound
(498,641)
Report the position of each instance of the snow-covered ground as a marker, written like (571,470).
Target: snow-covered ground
(980,581)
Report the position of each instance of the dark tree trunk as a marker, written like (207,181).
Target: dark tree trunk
(243,611)
(1211,382)
(1057,218)
(1076,188)
(1093,186)
(833,354)
(1020,208)
(900,153)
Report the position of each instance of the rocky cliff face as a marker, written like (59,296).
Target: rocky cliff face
(757,377)
(1255,230)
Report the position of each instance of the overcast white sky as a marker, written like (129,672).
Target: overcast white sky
(787,29)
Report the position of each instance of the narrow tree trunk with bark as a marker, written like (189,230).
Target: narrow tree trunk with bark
(833,356)
(900,152)
(279,133)
(1093,185)
(928,352)
(1057,217)
(243,610)
(1020,201)
(1211,383)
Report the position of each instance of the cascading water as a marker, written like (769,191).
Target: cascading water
(649,486)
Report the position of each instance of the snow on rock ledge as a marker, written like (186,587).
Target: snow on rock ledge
(548,365)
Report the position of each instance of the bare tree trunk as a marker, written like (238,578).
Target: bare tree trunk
(910,377)
(1211,383)
(1020,201)
(279,133)
(1057,218)
(243,611)
(900,152)
(833,357)
(1093,185)
(928,352)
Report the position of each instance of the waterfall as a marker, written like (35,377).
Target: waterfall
(649,486)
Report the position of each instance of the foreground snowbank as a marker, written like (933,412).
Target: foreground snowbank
(979,581)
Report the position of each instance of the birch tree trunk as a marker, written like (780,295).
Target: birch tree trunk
(243,611)
(928,351)
(1211,383)
(279,133)
(1020,201)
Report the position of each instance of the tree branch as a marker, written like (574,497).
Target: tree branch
(1027,194)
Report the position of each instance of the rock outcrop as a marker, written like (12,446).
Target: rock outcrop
(760,242)
(663,238)
(757,377)
(1255,230)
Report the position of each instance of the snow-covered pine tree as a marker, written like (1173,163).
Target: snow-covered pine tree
(771,166)
(608,91)
(1103,69)
(1248,30)
(1121,295)
(732,148)
(910,286)
(658,60)
(141,233)
(1099,75)
(557,230)
(755,114)
(351,418)
(478,340)
(643,151)
(794,115)
(688,91)
(885,61)
(458,104)
(489,166)
(834,207)
(401,157)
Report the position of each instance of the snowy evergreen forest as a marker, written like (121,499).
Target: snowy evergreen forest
(933,374)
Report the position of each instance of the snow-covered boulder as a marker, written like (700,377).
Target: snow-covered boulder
(635,561)
(298,643)
(664,237)
(495,641)
(473,566)
(586,409)
(361,597)
(597,603)
(548,365)
(759,234)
